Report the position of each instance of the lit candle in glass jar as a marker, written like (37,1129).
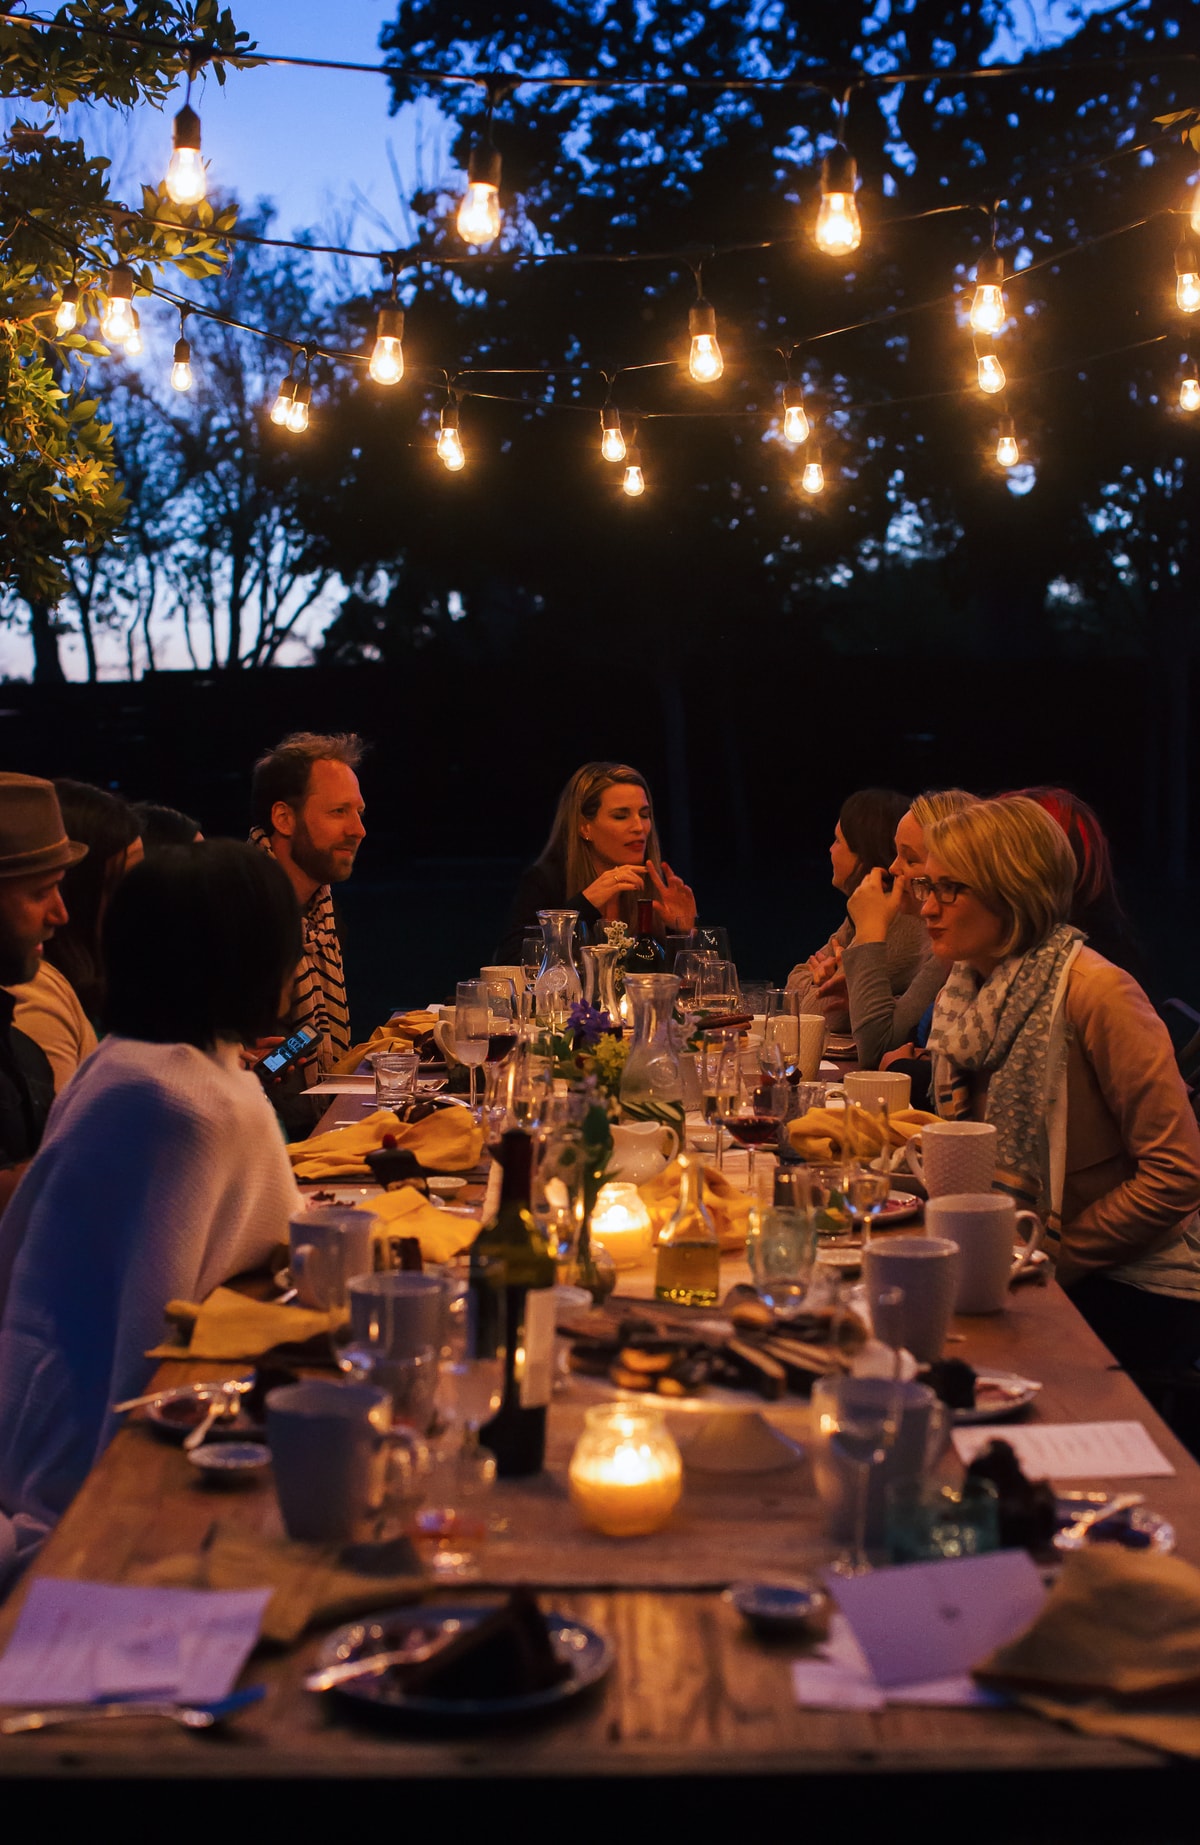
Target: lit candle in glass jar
(621,1224)
(626,1474)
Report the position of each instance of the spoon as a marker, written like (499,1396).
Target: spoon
(189,1716)
(417,1647)
(1098,1515)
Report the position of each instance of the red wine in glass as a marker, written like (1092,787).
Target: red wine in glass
(753,1130)
(500,1043)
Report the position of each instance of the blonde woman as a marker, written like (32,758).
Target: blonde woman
(1064,1053)
(601,856)
(883,1021)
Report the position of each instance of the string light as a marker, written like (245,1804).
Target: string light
(1187,278)
(117,324)
(1007,452)
(133,345)
(633,482)
(991,372)
(66,316)
(297,420)
(449,442)
(795,420)
(187,182)
(704,361)
(612,442)
(387,355)
(1189,390)
(813,478)
(181,368)
(281,408)
(839,229)
(988,312)
(479,214)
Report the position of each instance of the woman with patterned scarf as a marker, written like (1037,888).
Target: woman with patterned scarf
(1064,1054)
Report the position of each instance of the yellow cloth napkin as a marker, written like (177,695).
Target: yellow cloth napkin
(398,1034)
(1115,1650)
(729,1207)
(448,1139)
(405,1212)
(310,1582)
(231,1325)
(836,1133)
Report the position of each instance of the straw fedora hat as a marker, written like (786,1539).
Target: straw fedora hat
(33,838)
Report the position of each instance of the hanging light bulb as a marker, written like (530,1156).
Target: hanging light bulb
(117,324)
(181,369)
(991,372)
(387,356)
(281,408)
(633,481)
(704,361)
(839,230)
(187,182)
(795,420)
(133,345)
(1189,391)
(297,420)
(1007,452)
(449,442)
(612,442)
(1187,278)
(813,478)
(988,312)
(66,316)
(479,214)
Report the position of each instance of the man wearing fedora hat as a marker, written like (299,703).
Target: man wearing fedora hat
(34,853)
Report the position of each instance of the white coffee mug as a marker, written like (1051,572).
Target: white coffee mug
(515,974)
(954,1156)
(326,1249)
(810,1031)
(925,1270)
(329,1445)
(868,1087)
(986,1226)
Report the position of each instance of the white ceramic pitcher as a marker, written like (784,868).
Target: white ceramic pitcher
(641,1150)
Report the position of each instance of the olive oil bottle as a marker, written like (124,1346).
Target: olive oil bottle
(687,1269)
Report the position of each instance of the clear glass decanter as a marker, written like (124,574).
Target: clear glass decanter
(558,986)
(651,1084)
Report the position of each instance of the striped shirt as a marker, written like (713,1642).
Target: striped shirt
(319,989)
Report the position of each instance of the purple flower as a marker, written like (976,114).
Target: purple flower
(588,1022)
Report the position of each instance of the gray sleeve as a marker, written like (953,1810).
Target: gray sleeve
(882,1021)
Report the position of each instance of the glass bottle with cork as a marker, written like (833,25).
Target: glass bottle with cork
(512,1275)
(688,1265)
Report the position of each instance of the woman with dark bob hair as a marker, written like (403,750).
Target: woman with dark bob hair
(1062,1051)
(162,1172)
(864,840)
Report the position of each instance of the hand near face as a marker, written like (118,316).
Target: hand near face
(675,905)
(612,882)
(872,909)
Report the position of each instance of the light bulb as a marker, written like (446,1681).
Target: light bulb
(839,230)
(1187,291)
(634,481)
(813,478)
(187,182)
(283,401)
(297,418)
(133,345)
(479,214)
(1189,394)
(1007,452)
(991,373)
(795,422)
(988,312)
(387,356)
(449,442)
(67,313)
(704,361)
(181,370)
(117,324)
(612,441)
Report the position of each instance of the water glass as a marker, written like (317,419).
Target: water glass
(925,1521)
(472,1027)
(781,1249)
(533,947)
(718,1064)
(863,1418)
(866,1194)
(395,1078)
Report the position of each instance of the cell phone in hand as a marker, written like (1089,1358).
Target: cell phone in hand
(292,1051)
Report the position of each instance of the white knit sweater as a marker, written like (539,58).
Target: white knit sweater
(161,1174)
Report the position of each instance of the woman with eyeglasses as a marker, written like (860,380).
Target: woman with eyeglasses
(1063,1052)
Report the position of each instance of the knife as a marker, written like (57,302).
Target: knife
(371,1665)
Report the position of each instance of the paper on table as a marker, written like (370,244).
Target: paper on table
(920,1622)
(838,1677)
(1072,1450)
(75,1642)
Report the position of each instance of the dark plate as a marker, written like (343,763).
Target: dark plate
(588,1654)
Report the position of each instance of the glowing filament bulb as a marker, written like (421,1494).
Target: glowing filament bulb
(704,361)
(612,441)
(187,182)
(297,419)
(133,345)
(1187,279)
(795,422)
(988,312)
(479,214)
(634,481)
(283,402)
(813,478)
(839,230)
(387,355)
(117,324)
(449,442)
(1007,452)
(1189,393)
(991,373)
(66,316)
(181,370)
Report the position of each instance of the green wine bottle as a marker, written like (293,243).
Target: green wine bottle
(512,1279)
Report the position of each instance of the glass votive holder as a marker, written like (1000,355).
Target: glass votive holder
(621,1224)
(626,1474)
(395,1077)
(926,1520)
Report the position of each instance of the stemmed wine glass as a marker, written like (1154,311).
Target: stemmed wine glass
(718,1065)
(503,1031)
(779,1053)
(472,1028)
(866,1194)
(756,1121)
(533,947)
(865,1416)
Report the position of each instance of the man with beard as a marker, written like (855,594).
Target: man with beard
(34,853)
(307,812)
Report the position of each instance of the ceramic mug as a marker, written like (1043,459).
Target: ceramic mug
(953,1156)
(925,1270)
(810,1043)
(515,974)
(326,1249)
(443,1034)
(985,1225)
(868,1087)
(642,1149)
(329,1449)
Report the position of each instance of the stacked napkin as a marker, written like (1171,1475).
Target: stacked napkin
(447,1140)
(405,1212)
(1115,1650)
(231,1325)
(850,1132)
(728,1207)
(399,1034)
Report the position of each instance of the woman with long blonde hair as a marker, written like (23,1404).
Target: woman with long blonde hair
(601,857)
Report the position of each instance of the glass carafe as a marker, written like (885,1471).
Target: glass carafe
(557,987)
(651,1084)
(606,997)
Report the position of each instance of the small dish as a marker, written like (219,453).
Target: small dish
(776,1609)
(176,1413)
(1000,1396)
(228,1463)
(898,1209)
(1138,1528)
(445,1182)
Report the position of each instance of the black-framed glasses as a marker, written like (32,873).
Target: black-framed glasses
(946,890)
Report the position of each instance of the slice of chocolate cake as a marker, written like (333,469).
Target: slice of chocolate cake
(507,1654)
